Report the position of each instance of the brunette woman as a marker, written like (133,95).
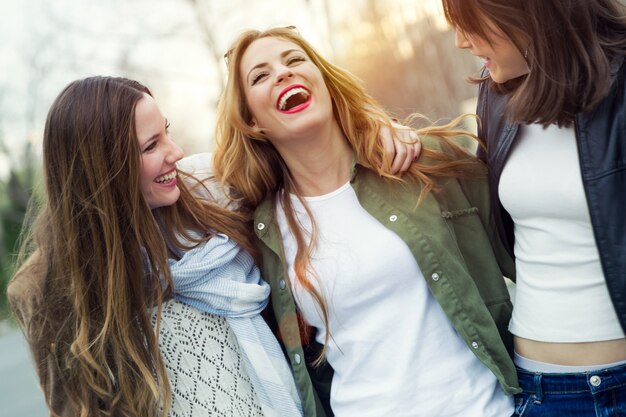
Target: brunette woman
(552,108)
(139,296)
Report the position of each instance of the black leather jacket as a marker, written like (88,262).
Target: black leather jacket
(601,138)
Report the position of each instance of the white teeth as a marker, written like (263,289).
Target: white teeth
(167,177)
(291,93)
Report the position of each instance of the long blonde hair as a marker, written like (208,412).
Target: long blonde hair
(246,161)
(102,254)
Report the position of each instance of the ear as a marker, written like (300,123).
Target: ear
(255,126)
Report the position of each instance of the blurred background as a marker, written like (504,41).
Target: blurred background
(402,50)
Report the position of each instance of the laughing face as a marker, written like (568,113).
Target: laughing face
(499,54)
(159,155)
(285,91)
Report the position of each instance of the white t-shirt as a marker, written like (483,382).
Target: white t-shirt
(561,294)
(393,350)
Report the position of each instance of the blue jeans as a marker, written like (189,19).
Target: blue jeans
(600,393)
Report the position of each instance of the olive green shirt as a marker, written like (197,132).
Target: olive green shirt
(450,236)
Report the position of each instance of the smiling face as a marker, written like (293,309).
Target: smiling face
(159,155)
(499,54)
(284,90)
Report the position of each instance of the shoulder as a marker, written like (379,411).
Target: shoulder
(452,148)
(26,288)
(618,69)
(430,142)
(448,144)
(200,164)
(197,171)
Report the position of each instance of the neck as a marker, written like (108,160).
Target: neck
(320,163)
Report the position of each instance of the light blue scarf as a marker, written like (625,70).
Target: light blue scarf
(219,277)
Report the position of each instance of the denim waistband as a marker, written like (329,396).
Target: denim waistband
(600,380)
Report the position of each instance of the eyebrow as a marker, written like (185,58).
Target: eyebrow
(282,55)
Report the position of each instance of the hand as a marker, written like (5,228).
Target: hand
(402,146)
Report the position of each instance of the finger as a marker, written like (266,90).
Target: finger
(407,141)
(406,164)
(401,155)
(385,137)
(417,148)
(412,144)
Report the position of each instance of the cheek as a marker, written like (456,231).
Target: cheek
(258,108)
(144,186)
(517,64)
(257,101)
(146,175)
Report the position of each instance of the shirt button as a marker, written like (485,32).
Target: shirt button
(435,276)
(393,218)
(297,358)
(281,284)
(260,226)
(595,380)
(475,345)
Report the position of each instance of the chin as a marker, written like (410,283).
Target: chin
(499,78)
(165,201)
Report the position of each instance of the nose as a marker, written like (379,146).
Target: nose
(174,152)
(460,39)
(283,73)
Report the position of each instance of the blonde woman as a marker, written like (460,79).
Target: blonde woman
(396,277)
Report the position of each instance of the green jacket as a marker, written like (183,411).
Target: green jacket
(451,239)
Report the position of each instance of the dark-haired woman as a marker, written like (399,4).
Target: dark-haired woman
(124,243)
(552,105)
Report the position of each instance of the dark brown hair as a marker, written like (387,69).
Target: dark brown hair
(101,255)
(570,47)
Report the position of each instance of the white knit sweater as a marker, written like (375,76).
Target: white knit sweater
(204,365)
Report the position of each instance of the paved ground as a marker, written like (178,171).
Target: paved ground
(20,395)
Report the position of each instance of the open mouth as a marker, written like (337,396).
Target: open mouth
(163,179)
(293,99)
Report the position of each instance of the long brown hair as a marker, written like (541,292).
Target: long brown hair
(569,45)
(103,253)
(245,159)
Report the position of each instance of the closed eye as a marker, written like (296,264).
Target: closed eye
(295,59)
(258,77)
(151,146)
